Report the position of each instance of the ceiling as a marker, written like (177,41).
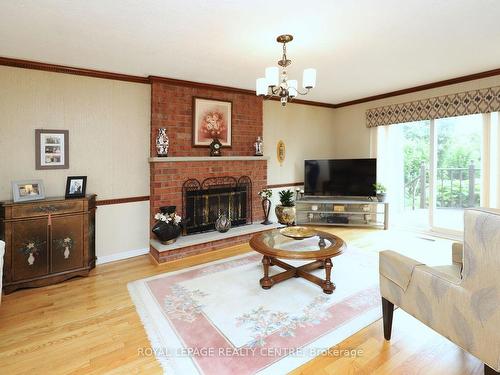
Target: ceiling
(359,48)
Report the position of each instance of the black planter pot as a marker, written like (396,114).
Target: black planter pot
(167,233)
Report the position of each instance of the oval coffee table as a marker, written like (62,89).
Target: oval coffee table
(322,248)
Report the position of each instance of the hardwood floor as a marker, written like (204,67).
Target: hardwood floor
(90,326)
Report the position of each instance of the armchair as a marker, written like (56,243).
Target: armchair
(460,301)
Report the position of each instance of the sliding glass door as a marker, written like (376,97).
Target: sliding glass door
(415,138)
(458,149)
(444,165)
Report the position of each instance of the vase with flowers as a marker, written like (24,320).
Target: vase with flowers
(265,195)
(168,226)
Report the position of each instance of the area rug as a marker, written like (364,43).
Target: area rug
(216,319)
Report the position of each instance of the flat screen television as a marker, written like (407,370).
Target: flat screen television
(340,177)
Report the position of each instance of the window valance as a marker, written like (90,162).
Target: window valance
(465,103)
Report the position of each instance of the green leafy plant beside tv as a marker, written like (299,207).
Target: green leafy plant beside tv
(380,191)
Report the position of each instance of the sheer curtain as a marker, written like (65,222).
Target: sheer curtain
(495,160)
(387,147)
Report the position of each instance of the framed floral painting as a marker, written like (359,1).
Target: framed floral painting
(212,119)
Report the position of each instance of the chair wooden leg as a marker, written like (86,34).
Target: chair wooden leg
(489,371)
(387,312)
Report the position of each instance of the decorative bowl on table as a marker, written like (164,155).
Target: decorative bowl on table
(298,233)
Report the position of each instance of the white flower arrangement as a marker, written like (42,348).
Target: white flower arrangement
(169,218)
(265,193)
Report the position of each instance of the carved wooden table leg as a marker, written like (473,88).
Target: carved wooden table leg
(266,282)
(328,286)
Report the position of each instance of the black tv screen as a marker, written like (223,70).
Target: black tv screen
(340,177)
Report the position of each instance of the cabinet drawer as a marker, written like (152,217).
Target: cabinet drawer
(45,208)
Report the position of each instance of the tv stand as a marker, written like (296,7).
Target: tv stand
(355,212)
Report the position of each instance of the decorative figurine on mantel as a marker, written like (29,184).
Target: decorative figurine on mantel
(215,148)
(259,146)
(162,143)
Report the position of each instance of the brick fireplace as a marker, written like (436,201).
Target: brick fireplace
(171,108)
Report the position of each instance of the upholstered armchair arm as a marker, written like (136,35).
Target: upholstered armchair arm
(457,253)
(397,268)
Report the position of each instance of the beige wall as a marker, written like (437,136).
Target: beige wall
(307,132)
(108,123)
(352,137)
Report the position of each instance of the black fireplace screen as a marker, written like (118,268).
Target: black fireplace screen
(204,202)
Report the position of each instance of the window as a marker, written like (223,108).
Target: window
(435,169)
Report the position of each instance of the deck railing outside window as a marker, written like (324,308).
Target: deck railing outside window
(455,188)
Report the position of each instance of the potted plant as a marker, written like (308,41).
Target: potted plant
(285,211)
(168,226)
(380,190)
(264,195)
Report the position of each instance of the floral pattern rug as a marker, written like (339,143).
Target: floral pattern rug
(216,319)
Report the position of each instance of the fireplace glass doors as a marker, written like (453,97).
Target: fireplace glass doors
(204,202)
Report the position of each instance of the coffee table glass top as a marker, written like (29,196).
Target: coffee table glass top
(320,246)
(274,239)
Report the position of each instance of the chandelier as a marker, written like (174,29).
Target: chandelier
(276,84)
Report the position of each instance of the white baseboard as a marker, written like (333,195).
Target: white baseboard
(120,256)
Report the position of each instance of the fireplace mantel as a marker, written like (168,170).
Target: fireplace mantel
(169,159)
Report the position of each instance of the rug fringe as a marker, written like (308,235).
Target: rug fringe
(148,327)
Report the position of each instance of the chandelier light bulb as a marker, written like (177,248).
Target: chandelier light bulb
(261,86)
(273,76)
(309,78)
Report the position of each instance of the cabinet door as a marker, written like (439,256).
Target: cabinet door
(67,243)
(29,249)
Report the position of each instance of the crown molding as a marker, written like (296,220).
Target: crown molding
(36,65)
(427,86)
(199,85)
(26,64)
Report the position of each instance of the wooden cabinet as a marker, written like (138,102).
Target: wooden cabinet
(47,241)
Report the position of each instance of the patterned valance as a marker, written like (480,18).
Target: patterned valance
(465,103)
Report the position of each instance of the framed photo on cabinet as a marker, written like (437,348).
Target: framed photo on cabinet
(75,187)
(27,190)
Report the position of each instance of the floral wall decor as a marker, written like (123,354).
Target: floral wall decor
(212,120)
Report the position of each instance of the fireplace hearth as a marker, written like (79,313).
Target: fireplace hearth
(204,202)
